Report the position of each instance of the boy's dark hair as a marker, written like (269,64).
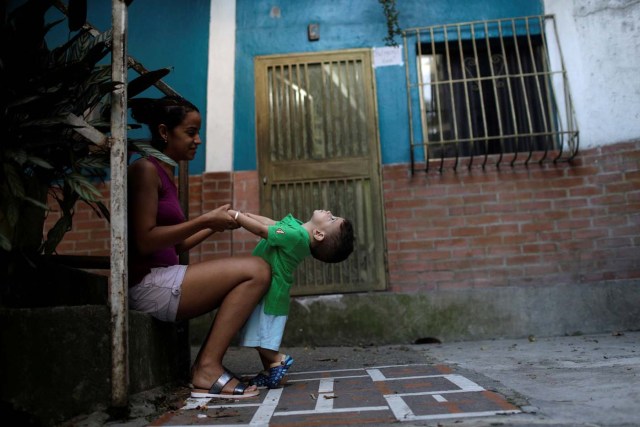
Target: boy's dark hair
(336,247)
(169,111)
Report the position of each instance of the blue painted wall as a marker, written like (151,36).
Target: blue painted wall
(162,33)
(344,24)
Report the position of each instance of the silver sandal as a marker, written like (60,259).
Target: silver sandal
(216,389)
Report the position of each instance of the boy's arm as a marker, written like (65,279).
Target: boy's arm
(262,219)
(249,223)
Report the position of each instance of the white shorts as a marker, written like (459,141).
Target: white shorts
(263,330)
(158,294)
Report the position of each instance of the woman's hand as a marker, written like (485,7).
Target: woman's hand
(219,219)
(214,221)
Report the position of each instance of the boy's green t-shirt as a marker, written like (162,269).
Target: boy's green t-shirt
(286,245)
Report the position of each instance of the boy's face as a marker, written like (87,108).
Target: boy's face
(326,222)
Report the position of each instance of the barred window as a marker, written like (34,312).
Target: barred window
(489,87)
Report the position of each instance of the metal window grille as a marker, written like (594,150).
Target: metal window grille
(493,89)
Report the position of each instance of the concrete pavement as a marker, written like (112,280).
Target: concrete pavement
(591,380)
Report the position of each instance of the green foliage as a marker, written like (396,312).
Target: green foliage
(391,15)
(45,93)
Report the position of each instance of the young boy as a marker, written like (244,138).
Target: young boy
(284,245)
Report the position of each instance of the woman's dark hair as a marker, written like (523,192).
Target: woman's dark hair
(169,111)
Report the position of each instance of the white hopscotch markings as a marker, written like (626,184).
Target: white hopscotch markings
(396,403)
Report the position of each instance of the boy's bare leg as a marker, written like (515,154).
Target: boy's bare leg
(270,358)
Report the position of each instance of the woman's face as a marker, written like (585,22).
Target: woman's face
(184,139)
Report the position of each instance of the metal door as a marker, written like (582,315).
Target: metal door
(318,149)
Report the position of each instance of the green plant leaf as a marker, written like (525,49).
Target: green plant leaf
(41,105)
(95,162)
(27,23)
(89,99)
(14,180)
(77,13)
(99,75)
(105,126)
(50,25)
(39,162)
(101,210)
(11,210)
(18,156)
(51,121)
(57,232)
(36,203)
(26,100)
(81,46)
(145,81)
(145,149)
(83,187)
(95,54)
(5,243)
(57,56)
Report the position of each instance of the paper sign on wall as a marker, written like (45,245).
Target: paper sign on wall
(386,56)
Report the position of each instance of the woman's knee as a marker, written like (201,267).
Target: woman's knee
(262,272)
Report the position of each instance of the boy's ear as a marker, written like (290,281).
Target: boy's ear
(318,235)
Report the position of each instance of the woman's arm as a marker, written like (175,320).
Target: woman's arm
(219,216)
(193,240)
(250,223)
(143,207)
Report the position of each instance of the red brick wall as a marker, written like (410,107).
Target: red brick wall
(535,225)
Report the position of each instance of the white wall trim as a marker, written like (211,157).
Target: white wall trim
(220,86)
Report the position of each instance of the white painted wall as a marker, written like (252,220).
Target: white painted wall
(220,84)
(600,41)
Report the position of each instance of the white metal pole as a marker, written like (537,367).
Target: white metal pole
(118,289)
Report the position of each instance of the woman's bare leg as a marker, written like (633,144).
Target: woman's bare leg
(234,286)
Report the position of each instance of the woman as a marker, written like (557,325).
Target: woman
(159,232)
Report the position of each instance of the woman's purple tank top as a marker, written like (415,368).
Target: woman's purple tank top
(169,213)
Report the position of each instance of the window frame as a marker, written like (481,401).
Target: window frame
(546,130)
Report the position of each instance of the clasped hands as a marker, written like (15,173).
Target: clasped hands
(220,219)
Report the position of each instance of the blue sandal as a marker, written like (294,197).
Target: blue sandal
(261,380)
(273,376)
